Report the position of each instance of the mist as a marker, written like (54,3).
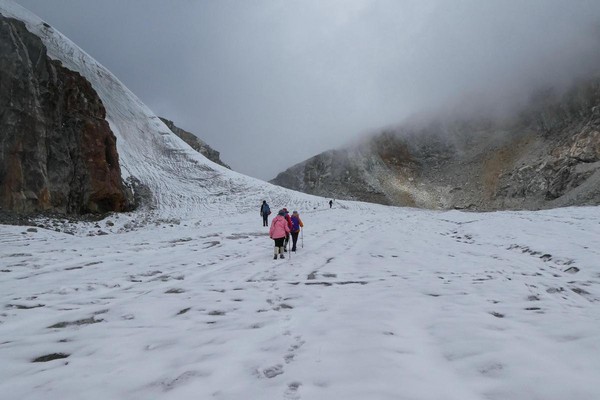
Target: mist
(271,83)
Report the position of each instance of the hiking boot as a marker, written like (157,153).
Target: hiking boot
(293,249)
(281,256)
(275,257)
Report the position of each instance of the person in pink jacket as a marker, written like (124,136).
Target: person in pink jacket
(278,232)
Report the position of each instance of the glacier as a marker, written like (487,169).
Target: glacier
(182,299)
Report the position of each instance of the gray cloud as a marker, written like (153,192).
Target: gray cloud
(270,83)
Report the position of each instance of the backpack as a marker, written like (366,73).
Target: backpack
(295,224)
(266,210)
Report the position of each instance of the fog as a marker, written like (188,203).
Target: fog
(271,83)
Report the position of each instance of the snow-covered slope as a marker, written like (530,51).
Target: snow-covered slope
(383,303)
(378,302)
(181,180)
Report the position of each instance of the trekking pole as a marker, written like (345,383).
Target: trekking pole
(302,236)
(289,250)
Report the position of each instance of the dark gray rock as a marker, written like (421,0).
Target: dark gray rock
(57,152)
(50,357)
(195,143)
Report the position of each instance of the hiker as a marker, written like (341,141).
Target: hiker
(279,230)
(265,211)
(330,203)
(289,221)
(296,226)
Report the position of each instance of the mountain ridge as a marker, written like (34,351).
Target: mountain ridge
(546,156)
(168,178)
(195,143)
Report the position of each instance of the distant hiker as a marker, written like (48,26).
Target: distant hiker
(330,203)
(287,237)
(279,230)
(265,211)
(296,226)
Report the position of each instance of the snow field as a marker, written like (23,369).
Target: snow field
(183,300)
(381,303)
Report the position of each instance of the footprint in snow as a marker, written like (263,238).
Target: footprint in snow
(289,357)
(493,369)
(272,372)
(170,384)
(292,390)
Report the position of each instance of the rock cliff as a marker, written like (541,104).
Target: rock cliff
(57,151)
(196,143)
(546,156)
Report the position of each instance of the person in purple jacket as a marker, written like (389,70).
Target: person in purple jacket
(278,232)
(297,225)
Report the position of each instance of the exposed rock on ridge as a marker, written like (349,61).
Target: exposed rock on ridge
(196,143)
(547,156)
(57,152)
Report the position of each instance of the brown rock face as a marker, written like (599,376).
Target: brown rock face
(57,152)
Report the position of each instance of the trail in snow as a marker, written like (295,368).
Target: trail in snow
(183,300)
(378,304)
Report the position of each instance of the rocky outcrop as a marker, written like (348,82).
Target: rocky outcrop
(196,143)
(57,152)
(547,156)
(567,172)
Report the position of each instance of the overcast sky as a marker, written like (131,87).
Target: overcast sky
(271,83)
